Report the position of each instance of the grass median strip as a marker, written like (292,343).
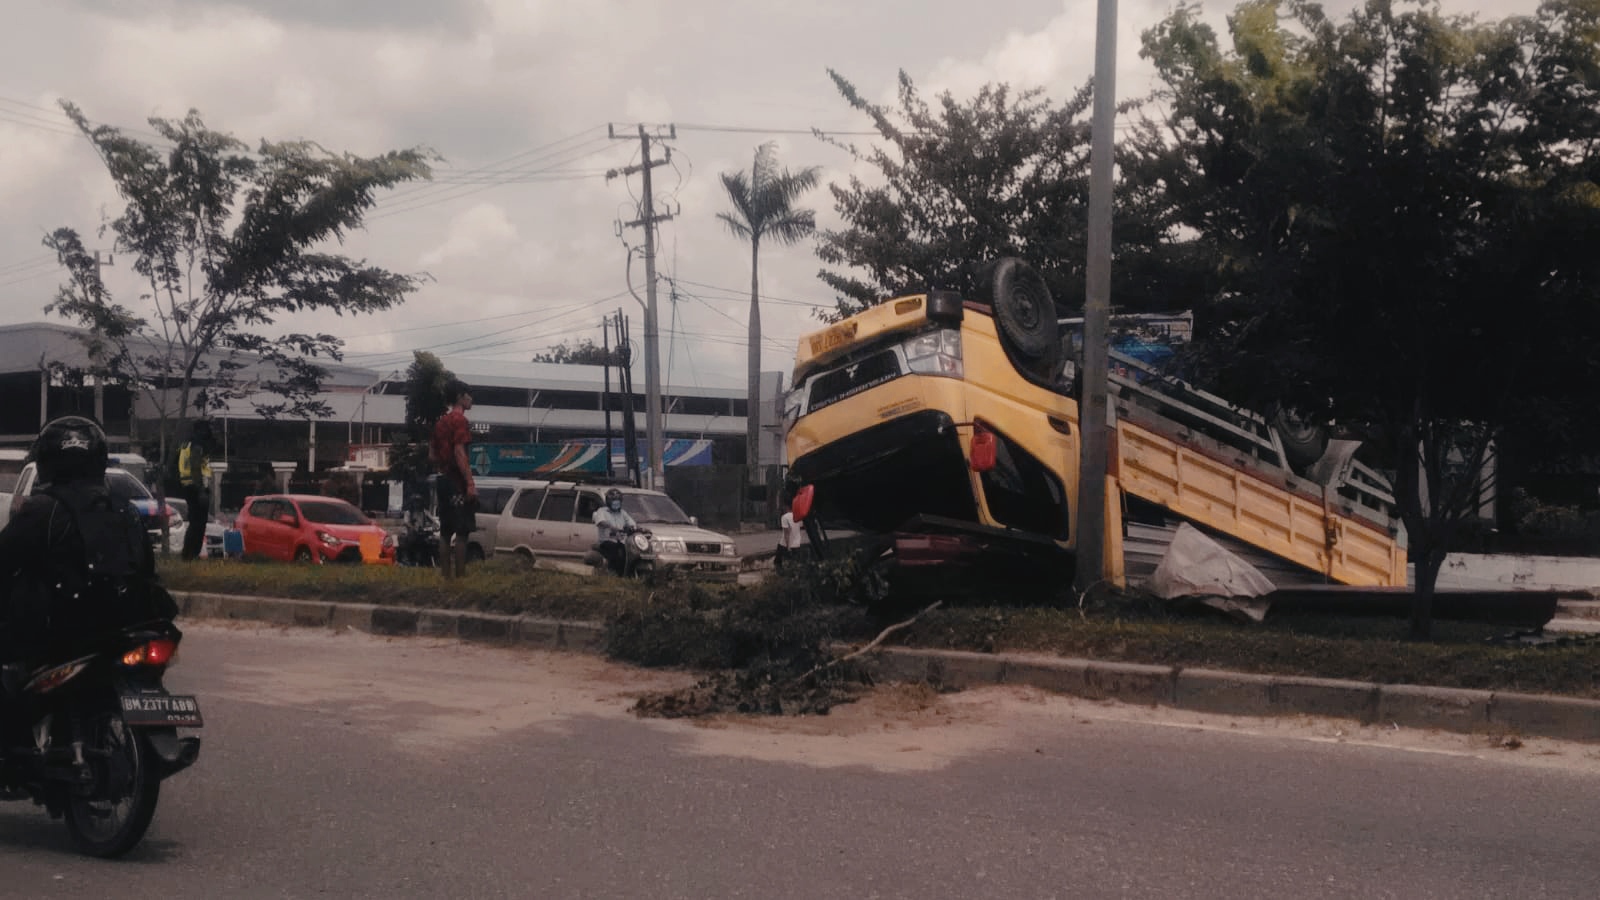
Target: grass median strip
(777,629)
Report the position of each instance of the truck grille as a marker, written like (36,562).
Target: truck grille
(847,381)
(712,549)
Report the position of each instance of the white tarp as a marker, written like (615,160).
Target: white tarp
(1197,567)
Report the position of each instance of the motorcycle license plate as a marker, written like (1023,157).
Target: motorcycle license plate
(161,709)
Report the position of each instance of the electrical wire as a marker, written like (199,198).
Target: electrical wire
(456,192)
(497,338)
(498,165)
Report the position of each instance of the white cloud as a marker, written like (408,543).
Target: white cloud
(474,235)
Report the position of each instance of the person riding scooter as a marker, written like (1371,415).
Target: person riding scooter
(613,525)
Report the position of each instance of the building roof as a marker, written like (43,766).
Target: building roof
(24,347)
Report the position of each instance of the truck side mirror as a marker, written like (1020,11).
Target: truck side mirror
(984,448)
(801,507)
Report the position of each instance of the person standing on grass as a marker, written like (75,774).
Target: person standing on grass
(458,493)
(194,471)
(788,539)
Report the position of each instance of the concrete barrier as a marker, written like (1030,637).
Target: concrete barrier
(487,628)
(357,616)
(1225,693)
(1326,697)
(1568,718)
(1130,683)
(438,623)
(1447,709)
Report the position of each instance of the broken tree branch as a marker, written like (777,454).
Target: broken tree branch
(882,636)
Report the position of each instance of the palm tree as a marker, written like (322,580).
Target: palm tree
(763,209)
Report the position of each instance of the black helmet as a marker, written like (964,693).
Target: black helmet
(613,494)
(71,448)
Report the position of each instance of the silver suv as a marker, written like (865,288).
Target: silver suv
(555,520)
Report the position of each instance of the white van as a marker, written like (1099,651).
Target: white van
(11,462)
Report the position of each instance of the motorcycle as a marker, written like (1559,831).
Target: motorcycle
(637,560)
(91,739)
(419,545)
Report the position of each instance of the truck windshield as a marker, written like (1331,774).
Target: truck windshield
(655,508)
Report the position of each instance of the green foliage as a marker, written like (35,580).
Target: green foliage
(228,242)
(1004,173)
(1402,209)
(426,379)
(581,353)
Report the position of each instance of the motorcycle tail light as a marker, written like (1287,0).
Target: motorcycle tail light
(156,653)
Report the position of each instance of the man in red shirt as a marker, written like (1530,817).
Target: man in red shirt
(458,494)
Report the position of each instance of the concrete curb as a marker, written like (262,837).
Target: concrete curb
(1200,690)
(526,631)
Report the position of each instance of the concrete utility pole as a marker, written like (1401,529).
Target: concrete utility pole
(99,378)
(652,337)
(1097,309)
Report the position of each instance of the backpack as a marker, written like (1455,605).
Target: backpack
(99,571)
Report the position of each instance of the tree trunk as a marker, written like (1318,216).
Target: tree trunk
(752,410)
(1428,564)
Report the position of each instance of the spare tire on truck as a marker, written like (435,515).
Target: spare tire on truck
(1025,315)
(1304,441)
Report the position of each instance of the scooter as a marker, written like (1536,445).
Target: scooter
(91,738)
(419,545)
(638,560)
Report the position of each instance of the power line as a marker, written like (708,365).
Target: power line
(543,150)
(455,192)
(36,262)
(741,294)
(751,129)
(497,336)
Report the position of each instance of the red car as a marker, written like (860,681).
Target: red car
(309,528)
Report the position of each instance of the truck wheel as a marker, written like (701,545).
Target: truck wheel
(1304,441)
(1026,316)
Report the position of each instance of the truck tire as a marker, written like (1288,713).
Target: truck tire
(1304,441)
(1026,316)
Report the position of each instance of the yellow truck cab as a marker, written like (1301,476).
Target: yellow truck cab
(949,427)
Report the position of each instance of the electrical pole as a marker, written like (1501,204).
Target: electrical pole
(99,377)
(1097,309)
(652,337)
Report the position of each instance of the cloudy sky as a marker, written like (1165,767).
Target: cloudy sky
(518,231)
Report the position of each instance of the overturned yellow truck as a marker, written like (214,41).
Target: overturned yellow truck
(947,427)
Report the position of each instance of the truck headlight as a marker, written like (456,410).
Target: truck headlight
(666,545)
(730,550)
(936,352)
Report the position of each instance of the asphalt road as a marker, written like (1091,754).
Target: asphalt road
(351,766)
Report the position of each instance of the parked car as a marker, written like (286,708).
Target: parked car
(211,548)
(11,462)
(556,520)
(310,528)
(122,485)
(493,494)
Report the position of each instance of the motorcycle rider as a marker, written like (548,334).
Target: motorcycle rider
(614,524)
(76,558)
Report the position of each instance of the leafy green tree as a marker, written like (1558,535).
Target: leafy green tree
(228,242)
(581,353)
(426,379)
(1402,209)
(763,202)
(957,183)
